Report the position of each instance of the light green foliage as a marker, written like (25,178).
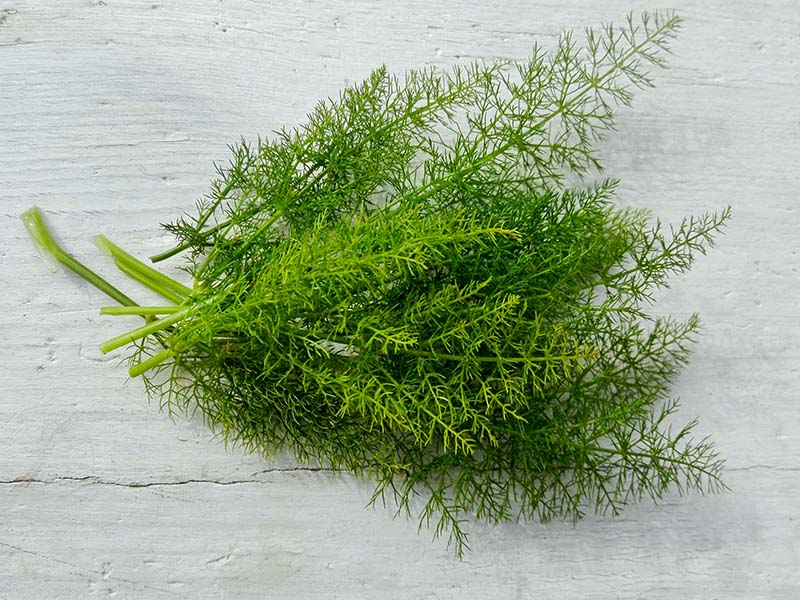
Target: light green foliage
(406,287)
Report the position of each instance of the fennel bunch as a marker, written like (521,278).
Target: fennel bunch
(407,287)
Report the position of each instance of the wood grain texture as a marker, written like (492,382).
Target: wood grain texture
(112,114)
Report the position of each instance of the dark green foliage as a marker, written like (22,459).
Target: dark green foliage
(406,288)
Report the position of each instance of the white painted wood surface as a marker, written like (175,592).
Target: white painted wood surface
(112,113)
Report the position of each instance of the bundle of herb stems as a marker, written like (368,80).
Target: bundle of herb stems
(406,287)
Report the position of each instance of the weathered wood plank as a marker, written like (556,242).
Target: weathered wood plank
(112,114)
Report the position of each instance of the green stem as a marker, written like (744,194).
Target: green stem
(171,252)
(494,359)
(228,222)
(120,256)
(240,250)
(134,273)
(186,245)
(710,472)
(143,331)
(151,362)
(33,222)
(139,310)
